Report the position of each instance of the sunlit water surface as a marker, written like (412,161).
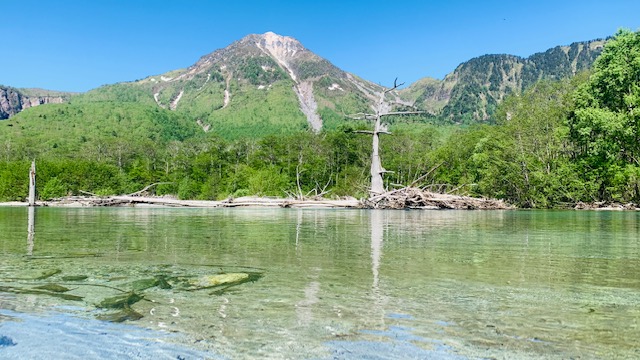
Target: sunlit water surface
(335,283)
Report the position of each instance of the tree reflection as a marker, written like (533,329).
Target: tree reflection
(31,230)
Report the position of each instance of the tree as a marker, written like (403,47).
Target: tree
(605,124)
(382,109)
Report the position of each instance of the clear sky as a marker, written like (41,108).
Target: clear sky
(77,45)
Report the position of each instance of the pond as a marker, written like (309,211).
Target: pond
(318,284)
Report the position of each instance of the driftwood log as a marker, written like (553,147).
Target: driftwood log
(127,200)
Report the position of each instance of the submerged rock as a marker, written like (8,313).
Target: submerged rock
(220,281)
(142,284)
(74,277)
(120,316)
(120,301)
(48,274)
(210,281)
(52,287)
(19,290)
(6,341)
(163,282)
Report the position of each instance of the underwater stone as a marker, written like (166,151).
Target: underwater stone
(6,341)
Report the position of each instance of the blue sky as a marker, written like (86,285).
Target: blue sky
(77,45)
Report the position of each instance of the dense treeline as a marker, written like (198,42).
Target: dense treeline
(555,144)
(561,142)
(214,168)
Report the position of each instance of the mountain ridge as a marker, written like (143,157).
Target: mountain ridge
(472,91)
(258,79)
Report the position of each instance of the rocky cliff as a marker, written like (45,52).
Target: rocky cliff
(13,100)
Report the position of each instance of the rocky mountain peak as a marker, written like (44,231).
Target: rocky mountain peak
(281,47)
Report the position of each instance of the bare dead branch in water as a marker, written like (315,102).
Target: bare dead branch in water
(138,193)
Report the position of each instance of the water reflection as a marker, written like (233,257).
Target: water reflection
(508,282)
(377,237)
(379,224)
(31,230)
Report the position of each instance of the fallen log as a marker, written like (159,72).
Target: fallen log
(126,200)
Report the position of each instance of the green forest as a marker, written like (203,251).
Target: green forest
(553,145)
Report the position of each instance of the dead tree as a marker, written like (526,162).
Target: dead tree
(32,184)
(383,108)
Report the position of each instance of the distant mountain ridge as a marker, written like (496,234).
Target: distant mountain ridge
(473,90)
(267,84)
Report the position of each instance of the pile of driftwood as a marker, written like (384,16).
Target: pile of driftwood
(405,198)
(415,198)
(602,205)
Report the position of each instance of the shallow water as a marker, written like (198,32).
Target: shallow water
(340,283)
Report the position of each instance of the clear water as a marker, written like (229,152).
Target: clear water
(343,283)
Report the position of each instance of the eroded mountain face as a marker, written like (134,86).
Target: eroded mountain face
(12,100)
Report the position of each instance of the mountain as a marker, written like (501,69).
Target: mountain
(473,90)
(270,84)
(261,84)
(13,100)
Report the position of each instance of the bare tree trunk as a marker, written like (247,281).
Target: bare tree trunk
(32,184)
(383,109)
(377,184)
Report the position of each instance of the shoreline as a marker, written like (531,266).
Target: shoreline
(141,201)
(269,202)
(400,199)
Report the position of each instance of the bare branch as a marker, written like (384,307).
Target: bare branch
(395,86)
(364,132)
(404,113)
(416,181)
(459,187)
(371,132)
(137,193)
(362,116)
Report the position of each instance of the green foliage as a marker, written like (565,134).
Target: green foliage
(605,124)
(95,130)
(14,180)
(526,158)
(254,113)
(269,181)
(188,189)
(122,92)
(54,188)
(261,70)
(315,68)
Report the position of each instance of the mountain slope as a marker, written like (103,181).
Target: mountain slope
(261,84)
(472,92)
(91,128)
(270,84)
